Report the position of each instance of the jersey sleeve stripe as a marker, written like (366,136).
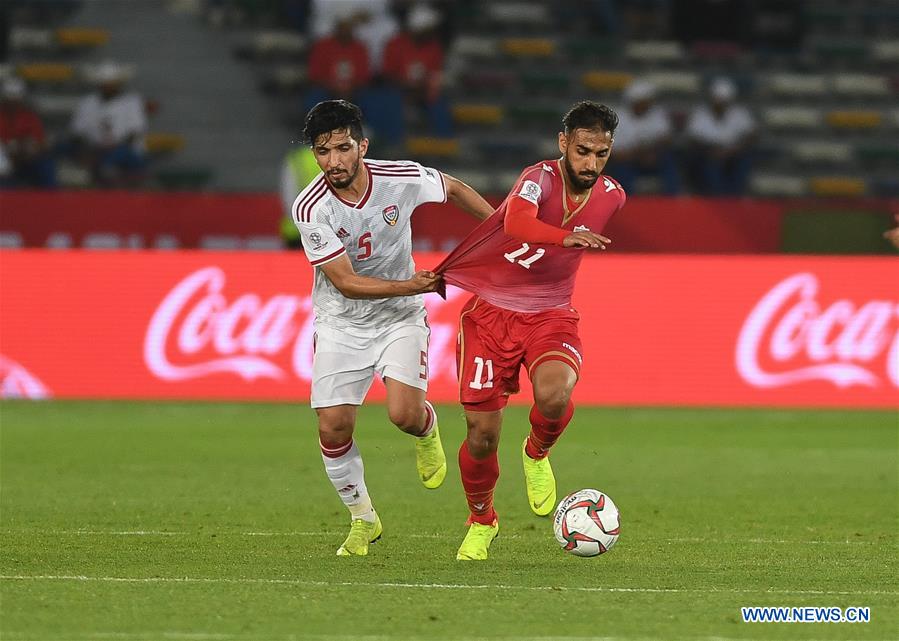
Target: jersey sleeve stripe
(329,257)
(300,205)
(306,212)
(399,172)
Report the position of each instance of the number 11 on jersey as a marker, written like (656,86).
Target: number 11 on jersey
(526,262)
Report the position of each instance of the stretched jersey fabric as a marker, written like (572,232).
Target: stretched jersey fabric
(527,277)
(375,233)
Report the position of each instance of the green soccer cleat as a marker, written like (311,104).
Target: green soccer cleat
(541,484)
(476,543)
(429,458)
(362,533)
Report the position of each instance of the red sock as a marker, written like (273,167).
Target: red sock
(479,479)
(545,432)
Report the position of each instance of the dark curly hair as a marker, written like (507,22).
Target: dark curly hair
(329,115)
(587,114)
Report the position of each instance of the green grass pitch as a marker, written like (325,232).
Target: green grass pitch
(144,521)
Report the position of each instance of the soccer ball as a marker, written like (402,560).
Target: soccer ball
(586,523)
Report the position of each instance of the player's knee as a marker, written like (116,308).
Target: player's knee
(482,440)
(408,419)
(334,431)
(552,402)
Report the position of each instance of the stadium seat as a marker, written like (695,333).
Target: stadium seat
(886,51)
(273,43)
(490,79)
(822,151)
(681,82)
(285,78)
(837,186)
(56,107)
(46,72)
(844,50)
(517,13)
(30,39)
(894,117)
(711,51)
(771,185)
(159,142)
(854,119)
(442,147)
(655,51)
(592,50)
(558,83)
(529,47)
(792,117)
(606,80)
(797,84)
(860,84)
(480,181)
(89,72)
(187,178)
(478,114)
(474,47)
(527,113)
(879,153)
(81,37)
(506,148)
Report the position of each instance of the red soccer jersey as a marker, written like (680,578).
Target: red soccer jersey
(339,66)
(407,61)
(531,277)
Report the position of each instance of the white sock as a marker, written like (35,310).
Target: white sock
(344,467)
(431,420)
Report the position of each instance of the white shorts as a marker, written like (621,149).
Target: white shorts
(344,365)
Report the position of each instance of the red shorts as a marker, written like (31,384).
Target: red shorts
(494,342)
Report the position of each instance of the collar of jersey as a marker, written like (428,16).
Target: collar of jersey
(363,200)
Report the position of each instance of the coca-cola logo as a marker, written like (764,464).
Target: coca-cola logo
(18,382)
(792,337)
(198,331)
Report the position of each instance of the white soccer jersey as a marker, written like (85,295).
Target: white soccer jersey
(375,233)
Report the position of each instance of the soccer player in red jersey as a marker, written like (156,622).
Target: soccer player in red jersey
(521,265)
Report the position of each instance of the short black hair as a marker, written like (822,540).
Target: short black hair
(329,115)
(587,114)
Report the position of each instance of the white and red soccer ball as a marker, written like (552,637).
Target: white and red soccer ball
(586,523)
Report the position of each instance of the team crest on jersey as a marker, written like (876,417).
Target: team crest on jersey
(391,215)
(316,239)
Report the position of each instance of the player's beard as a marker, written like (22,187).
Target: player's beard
(343,183)
(578,181)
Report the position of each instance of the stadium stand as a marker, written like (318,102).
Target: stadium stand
(823,96)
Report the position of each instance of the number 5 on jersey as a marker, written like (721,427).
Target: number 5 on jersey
(480,365)
(365,246)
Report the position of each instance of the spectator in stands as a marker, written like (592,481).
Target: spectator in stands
(108,130)
(643,141)
(338,64)
(721,134)
(414,64)
(374,24)
(23,139)
(297,171)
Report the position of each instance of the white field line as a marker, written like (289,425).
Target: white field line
(413,535)
(202,636)
(431,586)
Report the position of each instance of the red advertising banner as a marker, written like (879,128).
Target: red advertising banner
(133,220)
(657,330)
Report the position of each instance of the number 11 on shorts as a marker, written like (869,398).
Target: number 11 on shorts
(479,367)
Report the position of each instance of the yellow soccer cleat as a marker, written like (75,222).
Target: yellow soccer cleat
(429,458)
(362,533)
(476,543)
(541,484)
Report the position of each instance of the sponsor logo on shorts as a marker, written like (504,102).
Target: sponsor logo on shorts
(575,352)
(391,215)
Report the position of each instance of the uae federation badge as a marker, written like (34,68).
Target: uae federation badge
(391,215)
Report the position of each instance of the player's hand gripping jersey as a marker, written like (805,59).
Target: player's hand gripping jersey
(375,233)
(531,277)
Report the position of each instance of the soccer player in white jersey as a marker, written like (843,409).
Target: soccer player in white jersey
(354,222)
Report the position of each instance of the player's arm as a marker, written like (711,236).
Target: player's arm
(341,273)
(521,223)
(466,198)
